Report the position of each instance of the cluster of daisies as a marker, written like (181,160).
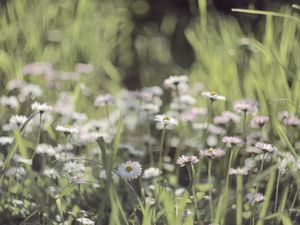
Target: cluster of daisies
(185,135)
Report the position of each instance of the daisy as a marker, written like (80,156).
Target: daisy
(259,121)
(151,172)
(252,149)
(291,121)
(266,147)
(15,122)
(255,197)
(84,68)
(130,170)
(150,108)
(102,100)
(85,221)
(246,106)
(212,153)
(238,171)
(233,140)
(10,101)
(175,81)
(154,90)
(45,149)
(66,129)
(165,120)
(183,160)
(41,108)
(6,140)
(213,96)
(227,117)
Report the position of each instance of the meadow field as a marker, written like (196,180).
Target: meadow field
(114,115)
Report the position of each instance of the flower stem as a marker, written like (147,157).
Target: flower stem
(210,190)
(293,203)
(107,114)
(38,135)
(65,146)
(229,165)
(261,168)
(209,118)
(162,141)
(244,125)
(191,173)
(252,215)
(239,199)
(277,189)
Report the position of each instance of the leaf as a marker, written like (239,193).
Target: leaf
(285,140)
(59,206)
(285,219)
(261,12)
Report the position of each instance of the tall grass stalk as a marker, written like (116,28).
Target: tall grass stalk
(162,142)
(239,199)
(265,204)
(210,189)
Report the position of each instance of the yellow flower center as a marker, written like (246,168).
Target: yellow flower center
(128,168)
(166,118)
(214,93)
(210,150)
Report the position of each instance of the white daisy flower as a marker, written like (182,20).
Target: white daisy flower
(165,120)
(10,101)
(85,221)
(212,153)
(41,108)
(214,96)
(66,129)
(255,197)
(130,170)
(175,81)
(102,100)
(45,149)
(6,140)
(18,120)
(151,172)
(266,147)
(238,171)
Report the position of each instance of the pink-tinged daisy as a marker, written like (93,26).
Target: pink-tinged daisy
(212,153)
(288,119)
(255,197)
(227,117)
(265,147)
(130,170)
(233,140)
(102,100)
(252,149)
(184,159)
(245,106)
(259,121)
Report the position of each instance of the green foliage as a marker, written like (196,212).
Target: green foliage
(229,58)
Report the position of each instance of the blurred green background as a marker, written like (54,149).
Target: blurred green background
(139,43)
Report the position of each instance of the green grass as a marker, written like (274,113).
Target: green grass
(230,58)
